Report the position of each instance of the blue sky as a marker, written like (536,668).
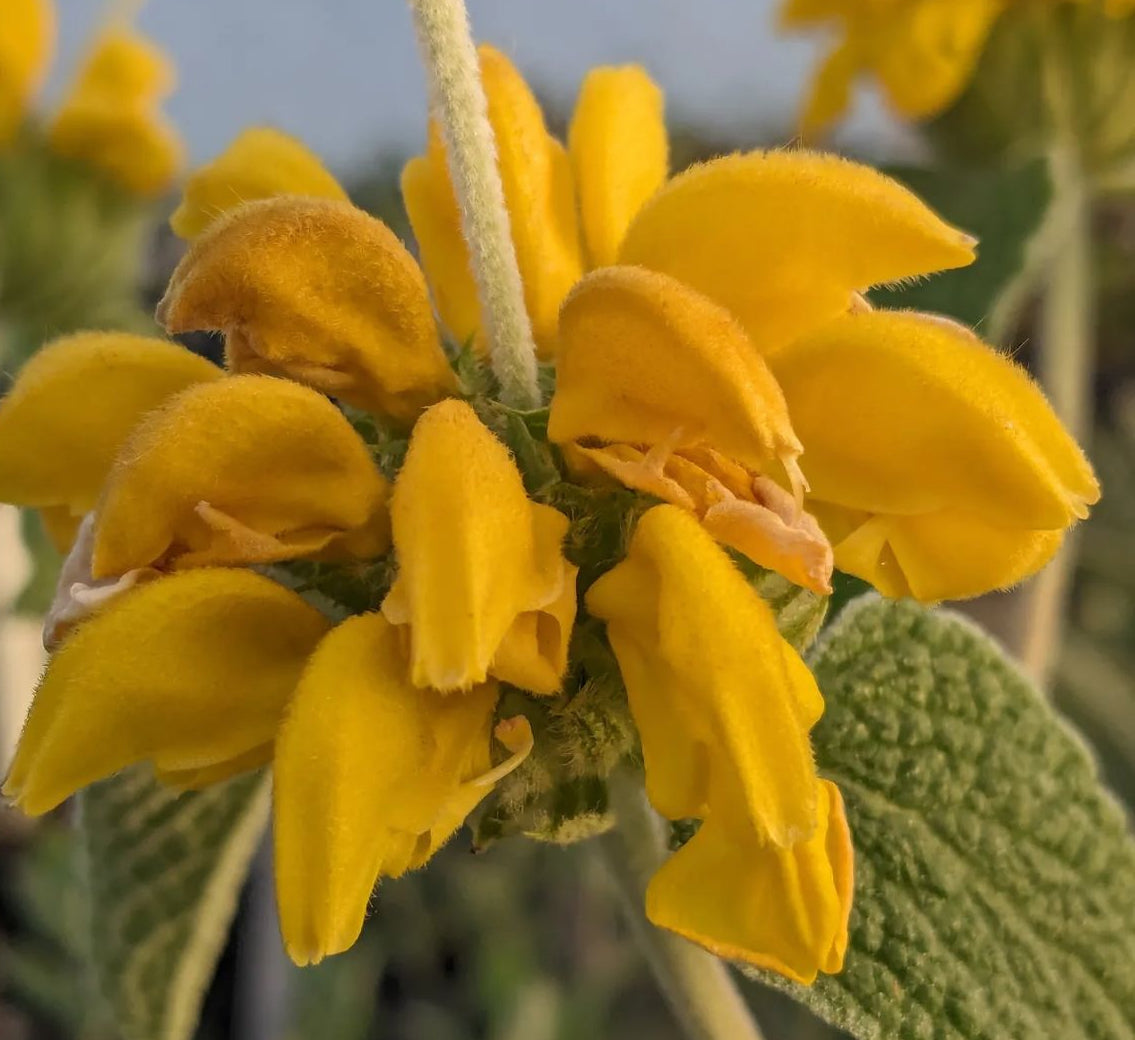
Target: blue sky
(344,76)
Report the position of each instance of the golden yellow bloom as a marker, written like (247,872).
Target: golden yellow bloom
(723,706)
(72,407)
(26,44)
(922,52)
(110,118)
(482,585)
(366,335)
(260,164)
(248,469)
(619,155)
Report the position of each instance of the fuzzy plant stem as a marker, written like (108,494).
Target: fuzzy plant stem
(1065,364)
(697,985)
(457,100)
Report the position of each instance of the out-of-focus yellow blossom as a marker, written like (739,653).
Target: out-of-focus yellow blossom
(72,408)
(724,706)
(873,432)
(111,119)
(922,52)
(26,45)
(567,211)
(483,586)
(320,292)
(260,164)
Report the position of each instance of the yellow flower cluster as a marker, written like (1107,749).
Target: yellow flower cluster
(712,352)
(109,119)
(922,52)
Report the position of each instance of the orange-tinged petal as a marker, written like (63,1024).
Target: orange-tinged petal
(784,239)
(781,909)
(474,556)
(190,671)
(25,54)
(250,469)
(903,414)
(645,360)
(620,154)
(366,767)
(719,697)
(260,164)
(538,190)
(72,407)
(318,291)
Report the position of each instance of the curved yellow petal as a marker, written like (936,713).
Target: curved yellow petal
(366,767)
(905,414)
(26,44)
(829,94)
(474,556)
(260,164)
(781,909)
(110,117)
(620,154)
(537,181)
(198,779)
(318,291)
(721,701)
(643,359)
(73,405)
(250,469)
(189,671)
(783,240)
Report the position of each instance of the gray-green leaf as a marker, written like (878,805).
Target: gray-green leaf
(995,878)
(165,870)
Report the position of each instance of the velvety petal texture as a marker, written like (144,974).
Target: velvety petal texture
(367,336)
(537,179)
(249,469)
(190,671)
(936,465)
(658,387)
(368,770)
(620,154)
(26,45)
(71,408)
(260,164)
(111,119)
(828,229)
(479,565)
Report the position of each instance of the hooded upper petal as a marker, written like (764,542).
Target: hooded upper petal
(110,119)
(620,154)
(781,909)
(367,766)
(248,469)
(366,334)
(189,671)
(475,556)
(261,163)
(930,452)
(25,53)
(783,240)
(73,405)
(536,176)
(722,703)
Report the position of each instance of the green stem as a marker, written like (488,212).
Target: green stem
(697,985)
(457,99)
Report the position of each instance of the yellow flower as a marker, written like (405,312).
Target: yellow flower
(482,586)
(25,54)
(366,335)
(260,164)
(723,706)
(922,52)
(703,380)
(618,158)
(110,118)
